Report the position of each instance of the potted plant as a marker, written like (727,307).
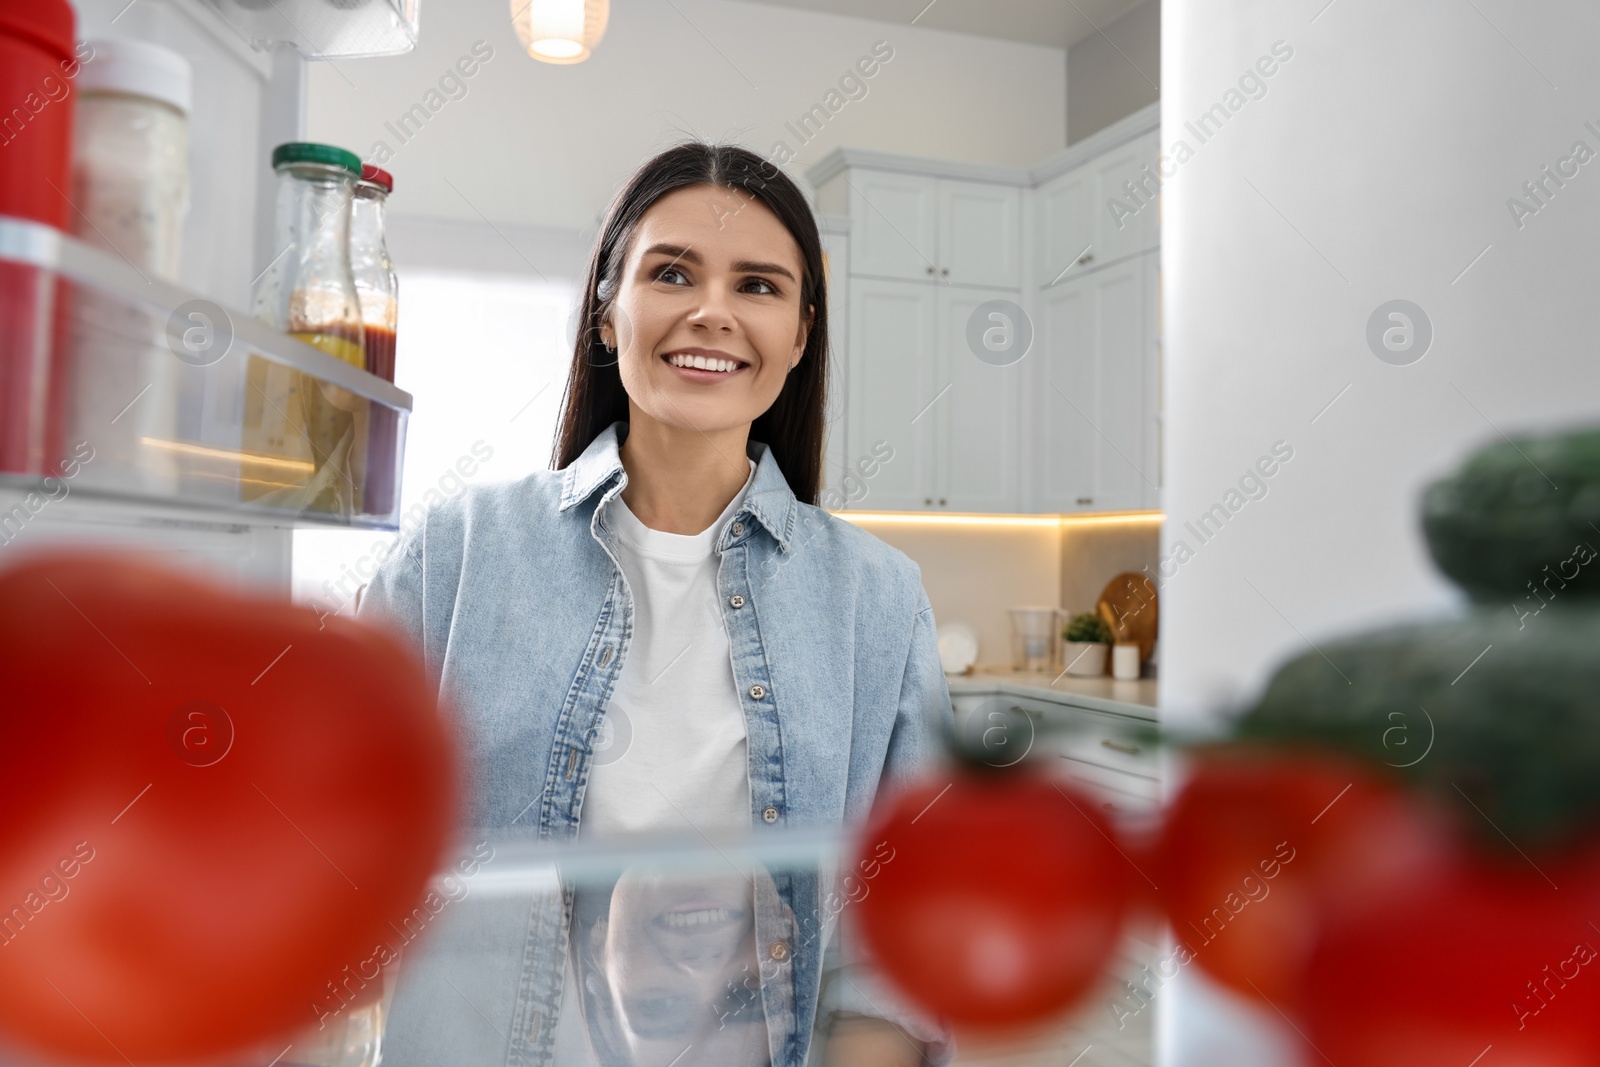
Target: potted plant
(1088,640)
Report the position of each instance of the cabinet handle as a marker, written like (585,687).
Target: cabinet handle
(928,503)
(1086,500)
(1087,257)
(941,502)
(1132,750)
(930,270)
(945,271)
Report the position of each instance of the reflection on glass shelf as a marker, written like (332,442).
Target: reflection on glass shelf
(720,951)
(134,390)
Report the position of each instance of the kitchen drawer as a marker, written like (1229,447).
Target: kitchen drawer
(1095,737)
(1127,791)
(1110,741)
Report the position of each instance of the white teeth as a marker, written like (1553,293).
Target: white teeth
(679,359)
(702,917)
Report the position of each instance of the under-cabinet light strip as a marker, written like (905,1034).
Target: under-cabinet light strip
(915,518)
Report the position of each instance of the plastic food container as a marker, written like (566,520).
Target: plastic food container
(130,168)
(130,192)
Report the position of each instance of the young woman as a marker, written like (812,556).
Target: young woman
(666,634)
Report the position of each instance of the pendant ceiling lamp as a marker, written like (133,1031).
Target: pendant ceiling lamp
(560,31)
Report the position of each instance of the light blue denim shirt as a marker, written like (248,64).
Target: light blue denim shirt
(513,596)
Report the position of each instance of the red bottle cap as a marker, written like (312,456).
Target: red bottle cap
(48,24)
(377,176)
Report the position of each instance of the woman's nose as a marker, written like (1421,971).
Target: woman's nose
(713,310)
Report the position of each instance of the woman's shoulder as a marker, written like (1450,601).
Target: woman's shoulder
(847,549)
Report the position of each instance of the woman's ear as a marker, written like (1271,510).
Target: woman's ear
(804,335)
(597,938)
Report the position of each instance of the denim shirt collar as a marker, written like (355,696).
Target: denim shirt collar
(770,500)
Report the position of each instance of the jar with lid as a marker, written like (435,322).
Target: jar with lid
(378,288)
(130,189)
(130,163)
(305,439)
(310,291)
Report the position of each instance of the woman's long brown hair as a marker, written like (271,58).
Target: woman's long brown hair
(793,427)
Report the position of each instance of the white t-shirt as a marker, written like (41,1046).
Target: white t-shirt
(672,755)
(673,749)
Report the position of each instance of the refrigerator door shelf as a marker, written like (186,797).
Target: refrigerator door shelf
(117,385)
(324,29)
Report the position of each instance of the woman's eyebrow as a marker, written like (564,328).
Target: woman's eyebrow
(743,266)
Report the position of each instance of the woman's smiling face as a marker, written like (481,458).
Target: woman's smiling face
(707,316)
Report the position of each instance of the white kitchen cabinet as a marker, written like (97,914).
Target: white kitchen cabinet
(916,386)
(1074,426)
(1065,232)
(1084,214)
(975,431)
(920,228)
(980,233)
(893,224)
(1118,234)
(1095,390)
(893,378)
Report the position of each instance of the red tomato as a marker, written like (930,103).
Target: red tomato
(215,804)
(1485,962)
(1003,897)
(1262,846)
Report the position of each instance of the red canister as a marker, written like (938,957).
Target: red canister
(37,68)
(37,65)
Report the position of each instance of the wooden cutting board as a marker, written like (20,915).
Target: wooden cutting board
(1128,605)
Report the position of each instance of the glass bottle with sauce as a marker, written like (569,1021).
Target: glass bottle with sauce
(378,288)
(305,439)
(310,291)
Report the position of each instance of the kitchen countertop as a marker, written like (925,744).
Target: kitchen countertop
(1104,693)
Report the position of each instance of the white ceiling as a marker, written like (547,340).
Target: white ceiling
(1057,23)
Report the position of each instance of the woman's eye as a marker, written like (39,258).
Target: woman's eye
(770,288)
(661,275)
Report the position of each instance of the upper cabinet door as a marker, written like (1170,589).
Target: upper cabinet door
(1154,375)
(1066,216)
(1093,395)
(893,384)
(1126,209)
(976,420)
(893,225)
(980,234)
(1065,386)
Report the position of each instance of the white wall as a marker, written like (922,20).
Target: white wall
(532,143)
(974,574)
(1377,166)
(1115,71)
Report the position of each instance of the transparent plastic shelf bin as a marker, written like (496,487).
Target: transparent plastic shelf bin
(132,389)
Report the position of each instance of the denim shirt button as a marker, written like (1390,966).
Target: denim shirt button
(779,951)
(738,528)
(736,600)
(605,656)
(757,692)
(769,814)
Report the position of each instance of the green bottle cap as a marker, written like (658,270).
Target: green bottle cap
(310,152)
